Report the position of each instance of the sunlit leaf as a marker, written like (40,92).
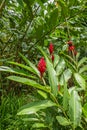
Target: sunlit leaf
(35,106)
(63,121)
(80,80)
(75,108)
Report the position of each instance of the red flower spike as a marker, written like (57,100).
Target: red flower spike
(69,42)
(51,48)
(71,48)
(52,57)
(42,66)
(59,87)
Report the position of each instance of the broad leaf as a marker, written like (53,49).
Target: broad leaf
(75,108)
(33,107)
(65,76)
(80,80)
(60,66)
(63,121)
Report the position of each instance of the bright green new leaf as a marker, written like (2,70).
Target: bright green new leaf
(80,80)
(63,121)
(33,107)
(75,108)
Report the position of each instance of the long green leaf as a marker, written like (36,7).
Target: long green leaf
(15,71)
(28,82)
(60,66)
(35,70)
(53,80)
(80,80)
(75,108)
(21,65)
(35,106)
(65,97)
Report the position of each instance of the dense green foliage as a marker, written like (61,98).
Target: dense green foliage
(58,99)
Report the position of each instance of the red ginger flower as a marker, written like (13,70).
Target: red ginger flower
(42,66)
(75,52)
(51,48)
(71,48)
(58,87)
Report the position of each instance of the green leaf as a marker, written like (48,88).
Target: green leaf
(33,107)
(56,60)
(80,80)
(21,65)
(35,70)
(65,97)
(28,82)
(15,71)
(85,110)
(53,80)
(63,121)
(38,125)
(65,76)
(83,60)
(84,68)
(43,94)
(60,66)
(75,108)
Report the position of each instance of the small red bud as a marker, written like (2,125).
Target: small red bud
(51,48)
(52,57)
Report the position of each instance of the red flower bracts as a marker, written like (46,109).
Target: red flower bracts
(42,66)
(75,52)
(52,57)
(71,48)
(51,48)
